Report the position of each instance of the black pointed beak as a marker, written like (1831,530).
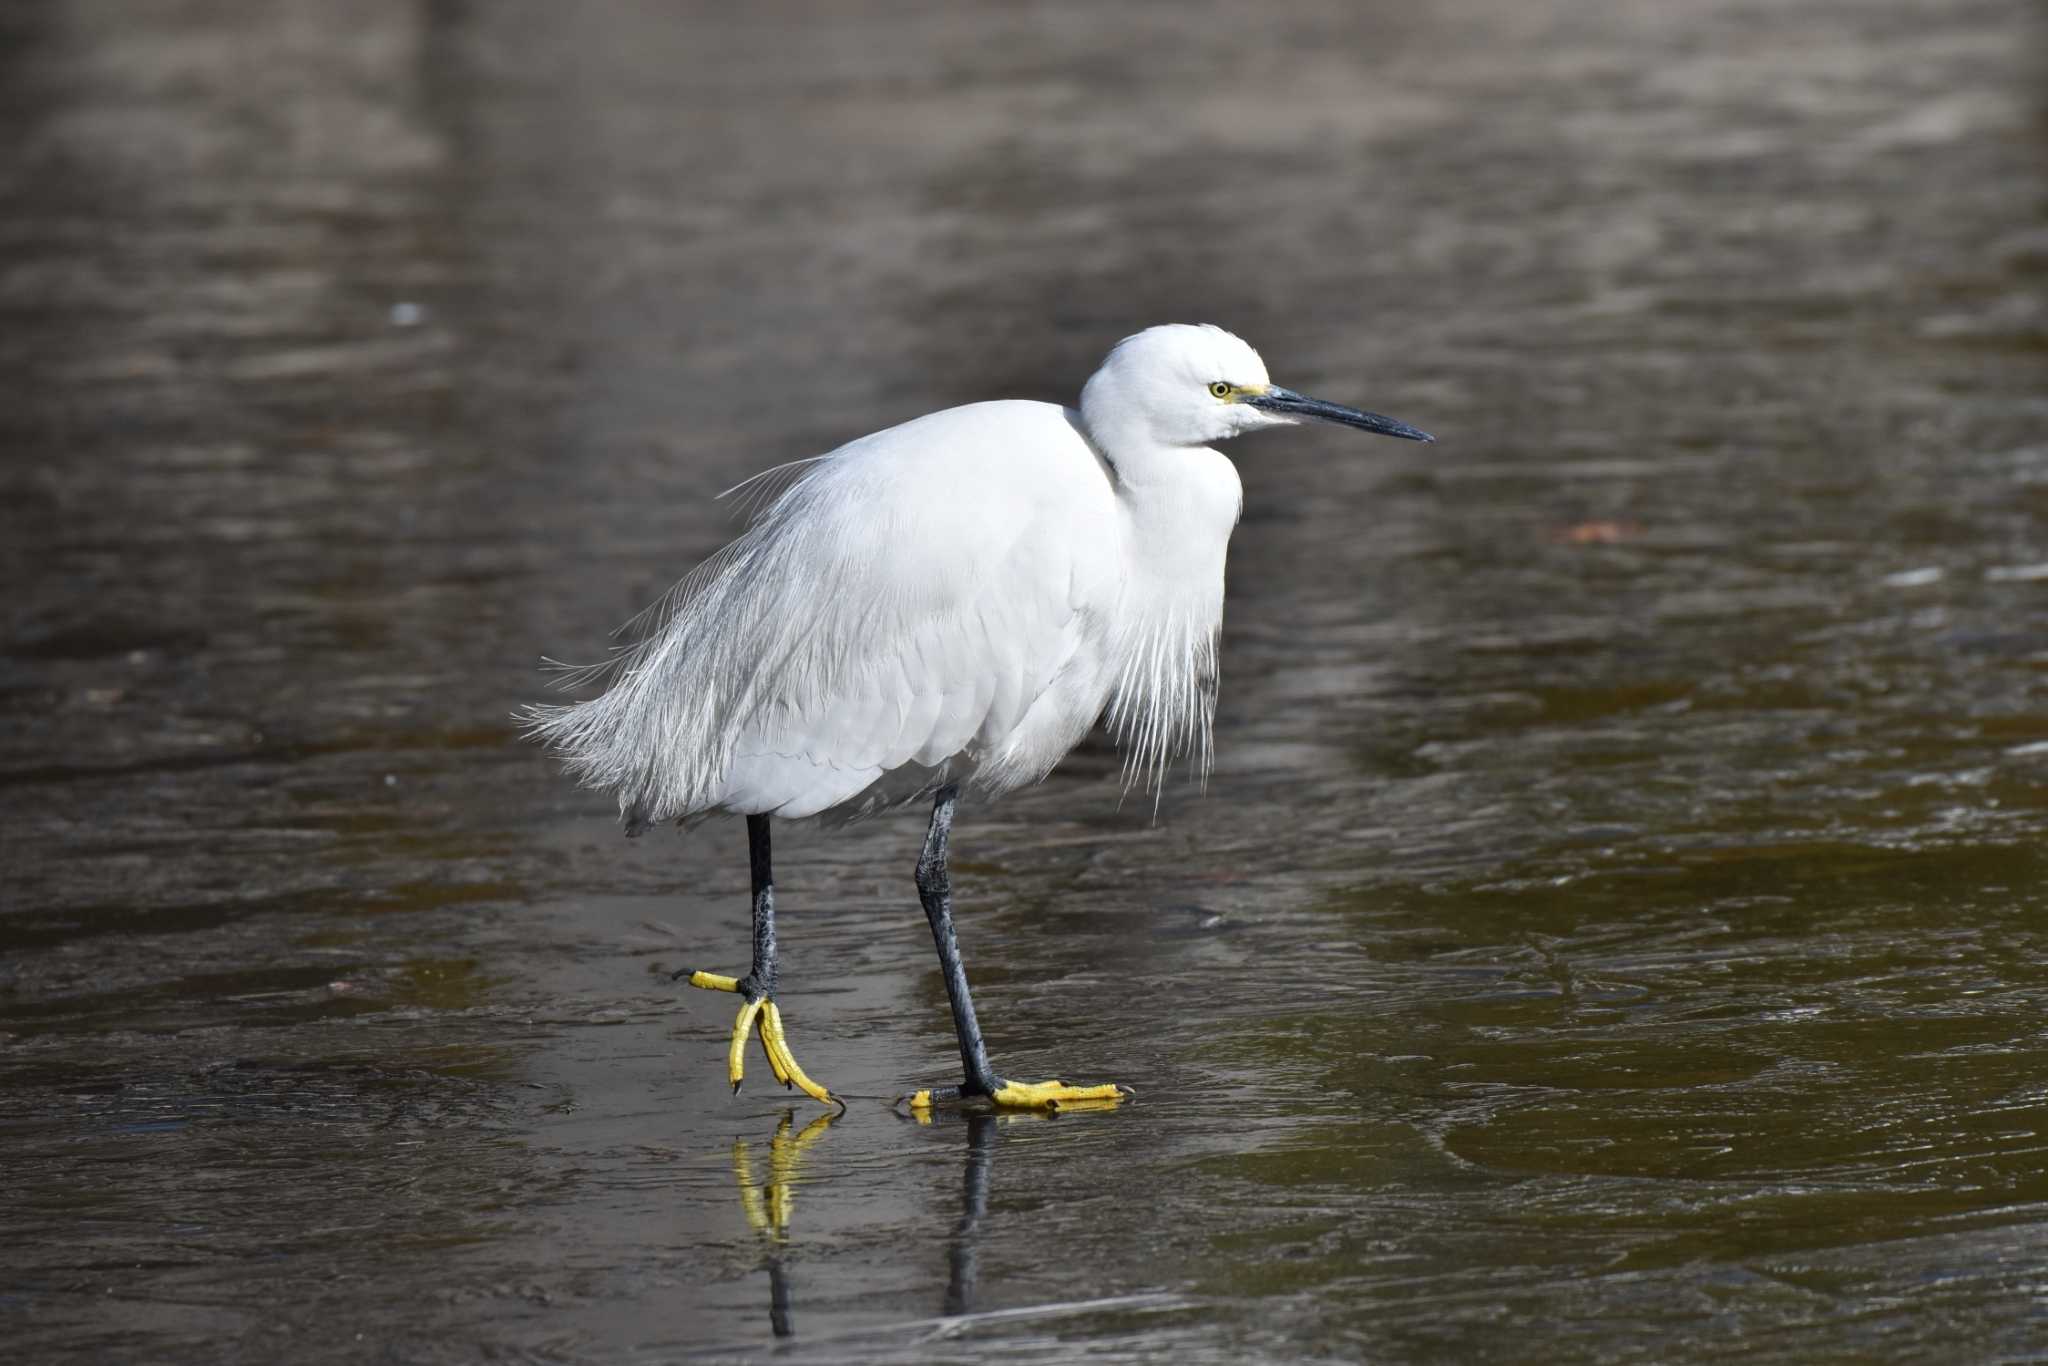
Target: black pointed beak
(1278,400)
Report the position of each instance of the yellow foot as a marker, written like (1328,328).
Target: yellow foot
(1053,1095)
(774,1042)
(1024,1095)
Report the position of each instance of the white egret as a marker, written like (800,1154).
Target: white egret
(941,608)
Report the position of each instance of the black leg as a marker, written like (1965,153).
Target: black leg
(935,890)
(758,986)
(760,983)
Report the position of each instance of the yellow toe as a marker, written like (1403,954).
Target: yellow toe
(712,981)
(1053,1095)
(735,1054)
(775,1063)
(777,1043)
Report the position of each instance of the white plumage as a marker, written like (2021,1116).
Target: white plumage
(953,601)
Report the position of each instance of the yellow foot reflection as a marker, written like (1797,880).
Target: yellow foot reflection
(1022,1095)
(774,1042)
(768,1205)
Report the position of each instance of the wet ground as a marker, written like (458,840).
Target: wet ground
(1615,928)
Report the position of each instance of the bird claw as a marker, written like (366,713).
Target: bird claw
(774,1041)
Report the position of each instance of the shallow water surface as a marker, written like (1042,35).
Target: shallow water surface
(1614,929)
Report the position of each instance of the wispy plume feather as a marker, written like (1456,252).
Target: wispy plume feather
(692,670)
(1164,702)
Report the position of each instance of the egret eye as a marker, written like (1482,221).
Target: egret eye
(1220,389)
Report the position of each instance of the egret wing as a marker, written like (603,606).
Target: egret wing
(923,656)
(901,607)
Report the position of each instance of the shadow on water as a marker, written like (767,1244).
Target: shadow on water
(1614,927)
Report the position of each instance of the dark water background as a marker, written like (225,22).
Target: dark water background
(1614,931)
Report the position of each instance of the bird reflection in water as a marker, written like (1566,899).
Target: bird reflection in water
(768,1205)
(963,1254)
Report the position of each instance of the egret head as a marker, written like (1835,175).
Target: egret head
(1185,385)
